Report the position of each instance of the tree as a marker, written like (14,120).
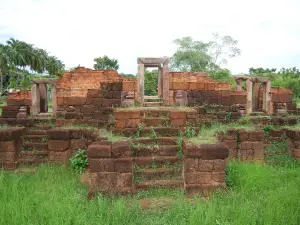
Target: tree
(198,56)
(151,82)
(105,63)
(222,48)
(18,58)
(191,56)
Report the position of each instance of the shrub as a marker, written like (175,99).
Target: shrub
(79,161)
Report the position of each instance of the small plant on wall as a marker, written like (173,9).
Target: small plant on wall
(79,161)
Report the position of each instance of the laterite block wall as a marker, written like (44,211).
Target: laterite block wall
(245,145)
(10,147)
(204,168)
(14,101)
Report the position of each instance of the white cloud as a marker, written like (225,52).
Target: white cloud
(77,31)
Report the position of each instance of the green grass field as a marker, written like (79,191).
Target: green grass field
(257,195)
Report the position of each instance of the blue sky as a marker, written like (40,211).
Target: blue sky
(77,31)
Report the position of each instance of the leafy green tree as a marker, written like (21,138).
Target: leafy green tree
(222,48)
(191,56)
(128,75)
(198,56)
(105,63)
(17,58)
(151,82)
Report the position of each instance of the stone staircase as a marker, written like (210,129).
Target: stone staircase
(155,123)
(157,164)
(35,144)
(152,101)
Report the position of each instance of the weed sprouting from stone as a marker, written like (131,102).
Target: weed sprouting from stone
(79,161)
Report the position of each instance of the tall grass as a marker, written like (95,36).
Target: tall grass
(257,195)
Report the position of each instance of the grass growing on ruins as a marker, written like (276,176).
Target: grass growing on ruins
(110,136)
(257,195)
(4,126)
(209,135)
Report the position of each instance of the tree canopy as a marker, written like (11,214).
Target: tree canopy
(199,56)
(18,57)
(106,63)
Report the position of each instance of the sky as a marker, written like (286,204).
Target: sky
(77,31)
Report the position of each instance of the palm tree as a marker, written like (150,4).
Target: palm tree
(4,64)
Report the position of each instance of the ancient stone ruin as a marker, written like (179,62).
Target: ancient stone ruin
(153,147)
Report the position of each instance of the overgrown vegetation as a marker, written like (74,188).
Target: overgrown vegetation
(257,195)
(79,161)
(208,135)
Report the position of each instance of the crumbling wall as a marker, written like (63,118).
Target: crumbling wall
(10,147)
(245,145)
(15,102)
(202,90)
(87,96)
(294,145)
(204,168)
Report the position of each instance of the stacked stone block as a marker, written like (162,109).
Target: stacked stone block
(204,168)
(245,145)
(294,145)
(63,143)
(10,147)
(111,164)
(15,102)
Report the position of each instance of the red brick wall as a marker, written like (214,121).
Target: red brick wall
(14,101)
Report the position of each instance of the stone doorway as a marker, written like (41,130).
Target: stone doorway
(163,79)
(258,93)
(40,100)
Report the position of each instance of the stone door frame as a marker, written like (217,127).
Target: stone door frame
(252,88)
(163,77)
(36,95)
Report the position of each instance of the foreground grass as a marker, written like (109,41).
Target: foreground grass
(54,195)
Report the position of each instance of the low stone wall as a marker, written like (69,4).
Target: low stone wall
(126,118)
(245,145)
(15,101)
(204,168)
(63,143)
(111,166)
(10,147)
(294,145)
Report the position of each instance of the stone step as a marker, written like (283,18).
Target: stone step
(164,150)
(159,184)
(159,141)
(31,162)
(156,122)
(147,131)
(39,154)
(48,115)
(258,113)
(153,104)
(33,131)
(159,174)
(152,98)
(34,146)
(35,138)
(157,162)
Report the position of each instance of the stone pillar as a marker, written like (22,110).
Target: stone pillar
(249,96)
(266,97)
(239,85)
(141,71)
(54,100)
(159,80)
(255,96)
(166,85)
(35,96)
